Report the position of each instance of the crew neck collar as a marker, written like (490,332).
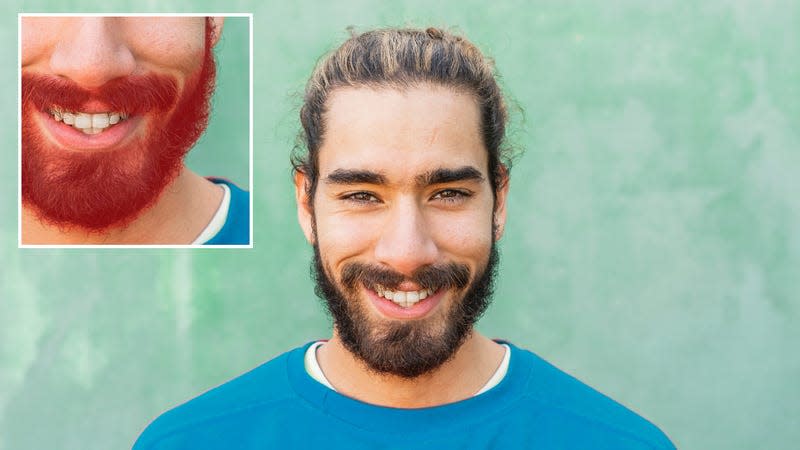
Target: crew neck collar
(403,421)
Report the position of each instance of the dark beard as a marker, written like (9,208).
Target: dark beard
(411,348)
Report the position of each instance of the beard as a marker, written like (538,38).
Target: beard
(97,191)
(406,349)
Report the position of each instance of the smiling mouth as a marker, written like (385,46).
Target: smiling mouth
(405,299)
(88,123)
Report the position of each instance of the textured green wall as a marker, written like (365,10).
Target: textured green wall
(653,244)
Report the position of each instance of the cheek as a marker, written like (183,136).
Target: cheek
(340,236)
(181,59)
(465,236)
(177,54)
(168,43)
(37,39)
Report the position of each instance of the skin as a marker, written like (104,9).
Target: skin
(94,50)
(403,224)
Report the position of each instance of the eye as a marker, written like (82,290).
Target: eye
(360,197)
(452,195)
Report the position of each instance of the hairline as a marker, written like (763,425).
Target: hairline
(398,85)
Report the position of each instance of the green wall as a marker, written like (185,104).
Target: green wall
(652,250)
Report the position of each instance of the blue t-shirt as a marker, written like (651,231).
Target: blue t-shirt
(236,230)
(278,405)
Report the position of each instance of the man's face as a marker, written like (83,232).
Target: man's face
(110,106)
(403,222)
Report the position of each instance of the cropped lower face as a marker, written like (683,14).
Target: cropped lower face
(403,222)
(110,106)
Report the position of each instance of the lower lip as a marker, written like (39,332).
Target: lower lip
(391,309)
(72,138)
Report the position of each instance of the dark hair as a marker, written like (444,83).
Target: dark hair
(403,58)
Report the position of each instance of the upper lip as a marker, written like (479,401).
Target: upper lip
(56,109)
(90,107)
(402,288)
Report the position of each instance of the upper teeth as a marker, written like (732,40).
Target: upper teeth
(405,299)
(89,123)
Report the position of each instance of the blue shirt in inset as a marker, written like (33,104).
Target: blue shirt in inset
(236,230)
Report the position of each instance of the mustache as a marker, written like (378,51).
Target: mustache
(433,277)
(132,95)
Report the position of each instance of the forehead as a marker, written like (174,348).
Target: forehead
(401,131)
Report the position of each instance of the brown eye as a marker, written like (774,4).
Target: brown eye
(360,197)
(452,195)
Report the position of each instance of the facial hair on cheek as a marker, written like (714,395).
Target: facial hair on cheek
(407,349)
(98,191)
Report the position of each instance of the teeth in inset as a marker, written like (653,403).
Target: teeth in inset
(89,123)
(83,121)
(100,120)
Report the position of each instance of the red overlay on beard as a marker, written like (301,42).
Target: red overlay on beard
(96,191)
(130,95)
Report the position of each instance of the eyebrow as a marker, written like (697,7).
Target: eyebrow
(445,175)
(355,176)
(435,176)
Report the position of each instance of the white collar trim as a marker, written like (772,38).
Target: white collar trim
(219,219)
(315,371)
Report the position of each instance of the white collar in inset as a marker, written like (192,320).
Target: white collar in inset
(218,221)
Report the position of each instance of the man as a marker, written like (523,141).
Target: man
(110,107)
(402,193)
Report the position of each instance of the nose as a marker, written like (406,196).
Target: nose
(405,243)
(93,52)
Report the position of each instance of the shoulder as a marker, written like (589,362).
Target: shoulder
(236,230)
(562,402)
(233,404)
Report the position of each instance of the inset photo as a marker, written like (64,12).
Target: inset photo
(135,130)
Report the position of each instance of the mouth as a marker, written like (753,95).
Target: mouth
(88,123)
(404,299)
(88,131)
(405,305)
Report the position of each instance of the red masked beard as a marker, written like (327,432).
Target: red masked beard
(98,190)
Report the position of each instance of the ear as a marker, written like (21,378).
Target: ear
(216,23)
(305,214)
(501,195)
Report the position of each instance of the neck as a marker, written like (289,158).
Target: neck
(179,214)
(457,379)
